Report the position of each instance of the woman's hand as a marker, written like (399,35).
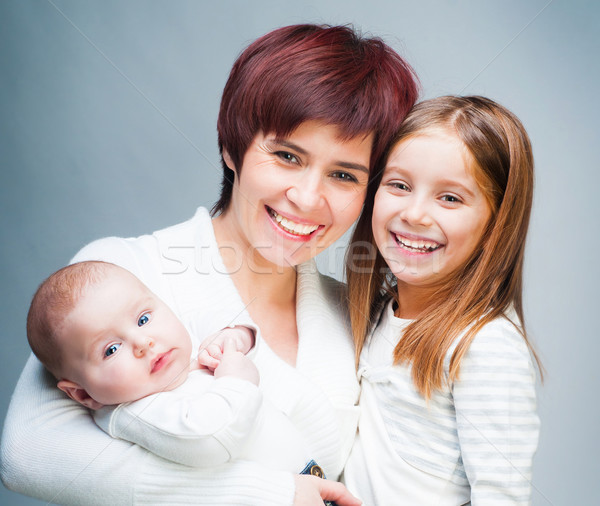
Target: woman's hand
(312,491)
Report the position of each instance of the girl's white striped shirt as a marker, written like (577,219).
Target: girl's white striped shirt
(473,441)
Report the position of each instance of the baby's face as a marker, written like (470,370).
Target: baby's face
(121,342)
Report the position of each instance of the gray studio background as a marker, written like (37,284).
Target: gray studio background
(107,127)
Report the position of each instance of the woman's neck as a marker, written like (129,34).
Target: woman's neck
(252,274)
(267,290)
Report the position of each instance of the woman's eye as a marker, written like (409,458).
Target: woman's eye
(145,318)
(345,176)
(288,157)
(112,349)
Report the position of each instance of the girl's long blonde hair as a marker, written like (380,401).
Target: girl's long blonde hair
(490,282)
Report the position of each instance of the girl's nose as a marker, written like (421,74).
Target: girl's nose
(306,191)
(416,212)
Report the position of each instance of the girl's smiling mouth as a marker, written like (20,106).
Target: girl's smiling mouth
(416,245)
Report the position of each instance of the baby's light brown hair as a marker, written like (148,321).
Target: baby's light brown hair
(53,301)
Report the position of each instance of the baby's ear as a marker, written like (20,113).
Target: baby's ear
(75,392)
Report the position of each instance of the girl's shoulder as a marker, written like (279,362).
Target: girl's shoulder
(502,335)
(499,347)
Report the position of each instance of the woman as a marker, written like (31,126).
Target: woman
(305,114)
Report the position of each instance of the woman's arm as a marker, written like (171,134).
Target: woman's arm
(496,416)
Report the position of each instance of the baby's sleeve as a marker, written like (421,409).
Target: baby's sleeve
(203,423)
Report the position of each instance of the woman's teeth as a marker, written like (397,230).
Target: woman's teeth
(292,227)
(422,246)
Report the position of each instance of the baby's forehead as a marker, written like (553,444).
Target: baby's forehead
(114,290)
(113,276)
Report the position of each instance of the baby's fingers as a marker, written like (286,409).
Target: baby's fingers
(230,345)
(205,359)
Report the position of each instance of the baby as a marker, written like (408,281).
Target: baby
(119,350)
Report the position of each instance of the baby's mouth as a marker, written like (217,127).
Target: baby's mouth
(160,361)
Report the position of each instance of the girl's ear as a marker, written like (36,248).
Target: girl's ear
(75,392)
(228,161)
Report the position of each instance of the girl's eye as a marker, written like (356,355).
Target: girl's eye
(145,318)
(399,186)
(112,349)
(344,176)
(450,198)
(288,157)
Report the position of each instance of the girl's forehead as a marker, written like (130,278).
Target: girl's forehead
(427,144)
(432,133)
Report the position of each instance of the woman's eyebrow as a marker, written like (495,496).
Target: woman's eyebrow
(355,166)
(291,145)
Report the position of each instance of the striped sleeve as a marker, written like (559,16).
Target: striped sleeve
(496,416)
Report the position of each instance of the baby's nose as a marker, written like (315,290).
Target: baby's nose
(142,346)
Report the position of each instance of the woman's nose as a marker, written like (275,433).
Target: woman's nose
(306,192)
(142,345)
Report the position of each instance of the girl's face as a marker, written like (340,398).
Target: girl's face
(429,212)
(296,195)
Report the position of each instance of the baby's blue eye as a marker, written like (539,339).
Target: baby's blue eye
(145,318)
(112,349)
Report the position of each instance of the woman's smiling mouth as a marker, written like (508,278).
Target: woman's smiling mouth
(291,227)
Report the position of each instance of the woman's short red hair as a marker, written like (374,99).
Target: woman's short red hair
(312,72)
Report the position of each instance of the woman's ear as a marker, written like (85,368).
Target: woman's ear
(228,161)
(75,392)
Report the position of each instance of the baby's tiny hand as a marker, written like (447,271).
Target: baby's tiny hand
(210,357)
(235,363)
(211,349)
(242,336)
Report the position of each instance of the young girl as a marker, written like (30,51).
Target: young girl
(448,385)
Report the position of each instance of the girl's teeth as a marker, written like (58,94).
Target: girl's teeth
(417,245)
(292,227)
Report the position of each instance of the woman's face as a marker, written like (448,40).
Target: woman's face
(297,194)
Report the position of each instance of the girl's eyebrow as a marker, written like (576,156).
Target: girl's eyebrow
(302,151)
(452,183)
(456,184)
